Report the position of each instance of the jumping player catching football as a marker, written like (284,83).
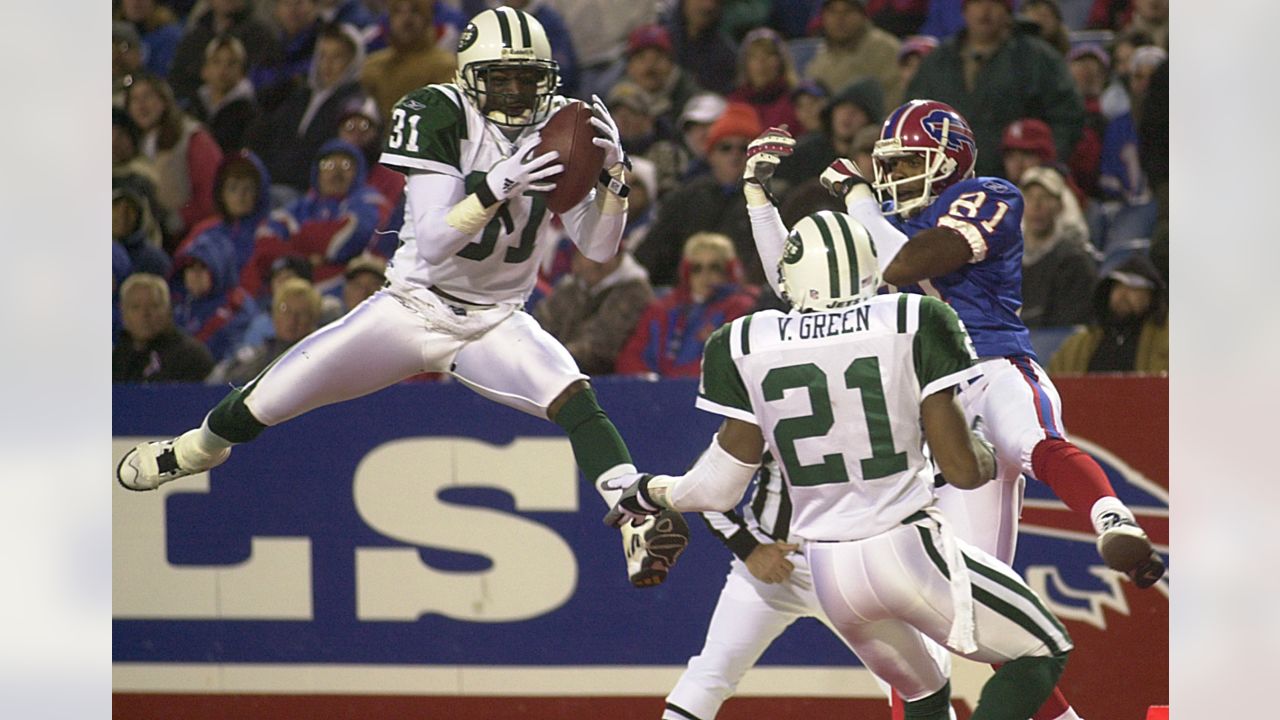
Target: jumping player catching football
(475,229)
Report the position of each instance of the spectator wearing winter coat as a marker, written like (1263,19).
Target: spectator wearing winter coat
(150,348)
(209,303)
(1130,329)
(183,152)
(224,17)
(994,75)
(295,313)
(330,225)
(710,203)
(412,58)
(225,102)
(766,77)
(857,106)
(294,24)
(700,47)
(1058,264)
(121,268)
(288,137)
(134,226)
(593,309)
(158,29)
(670,337)
(361,125)
(243,198)
(853,48)
(651,65)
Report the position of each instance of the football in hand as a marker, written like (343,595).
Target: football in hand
(569,131)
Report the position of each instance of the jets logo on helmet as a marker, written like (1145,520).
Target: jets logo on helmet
(505,67)
(925,147)
(829,262)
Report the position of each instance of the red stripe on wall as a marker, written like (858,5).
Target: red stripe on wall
(134,706)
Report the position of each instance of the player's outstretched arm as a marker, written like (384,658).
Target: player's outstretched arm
(716,481)
(845,180)
(763,155)
(966,460)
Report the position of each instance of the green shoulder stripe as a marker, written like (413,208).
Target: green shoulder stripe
(941,346)
(721,382)
(427,129)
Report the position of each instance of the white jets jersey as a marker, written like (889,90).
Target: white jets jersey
(435,129)
(837,397)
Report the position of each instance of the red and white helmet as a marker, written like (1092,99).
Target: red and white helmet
(937,133)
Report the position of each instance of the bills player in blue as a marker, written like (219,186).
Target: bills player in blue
(941,231)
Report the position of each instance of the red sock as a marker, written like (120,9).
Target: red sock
(898,709)
(1053,707)
(1073,476)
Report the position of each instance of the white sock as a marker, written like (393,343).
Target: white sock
(1108,504)
(1070,714)
(201,448)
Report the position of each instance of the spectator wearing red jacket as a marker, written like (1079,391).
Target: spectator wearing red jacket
(670,337)
(330,225)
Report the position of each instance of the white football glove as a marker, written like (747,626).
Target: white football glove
(842,176)
(608,137)
(635,506)
(766,151)
(512,176)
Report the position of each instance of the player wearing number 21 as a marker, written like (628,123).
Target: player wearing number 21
(475,229)
(845,389)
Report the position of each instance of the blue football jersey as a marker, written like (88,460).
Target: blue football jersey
(986,294)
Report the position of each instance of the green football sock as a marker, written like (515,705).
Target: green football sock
(232,420)
(597,446)
(1019,688)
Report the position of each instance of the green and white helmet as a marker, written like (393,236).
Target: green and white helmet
(508,40)
(828,262)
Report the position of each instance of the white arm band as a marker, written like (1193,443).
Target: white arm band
(864,208)
(770,236)
(716,482)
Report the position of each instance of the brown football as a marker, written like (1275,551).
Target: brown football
(569,130)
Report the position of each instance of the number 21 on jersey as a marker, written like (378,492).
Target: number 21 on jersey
(863,374)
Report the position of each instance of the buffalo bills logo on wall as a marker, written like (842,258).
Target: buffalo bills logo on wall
(958,134)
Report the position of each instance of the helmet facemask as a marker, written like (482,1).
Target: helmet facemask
(511,93)
(937,166)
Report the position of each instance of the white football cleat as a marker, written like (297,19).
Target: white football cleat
(152,464)
(1125,547)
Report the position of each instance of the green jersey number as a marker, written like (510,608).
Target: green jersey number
(484,247)
(862,374)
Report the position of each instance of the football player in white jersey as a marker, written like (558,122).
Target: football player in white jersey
(476,227)
(845,389)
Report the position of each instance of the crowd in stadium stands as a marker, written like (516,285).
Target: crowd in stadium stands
(248,207)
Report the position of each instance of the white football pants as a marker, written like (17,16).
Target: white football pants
(500,352)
